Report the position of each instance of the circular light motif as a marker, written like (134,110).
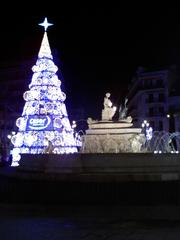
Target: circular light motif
(66,124)
(49,135)
(16,158)
(43,111)
(30,138)
(18,122)
(49,107)
(15,151)
(35,95)
(58,122)
(39,81)
(63,96)
(26,96)
(45,80)
(21,123)
(17,140)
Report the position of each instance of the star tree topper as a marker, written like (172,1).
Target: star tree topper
(45,24)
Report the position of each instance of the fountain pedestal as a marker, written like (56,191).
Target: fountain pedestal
(112,137)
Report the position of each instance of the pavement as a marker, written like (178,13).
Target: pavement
(89,222)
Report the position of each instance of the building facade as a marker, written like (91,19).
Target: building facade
(150,98)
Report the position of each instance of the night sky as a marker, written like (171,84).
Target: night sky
(97,49)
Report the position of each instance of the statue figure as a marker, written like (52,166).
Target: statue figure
(109,110)
(123,111)
(137,142)
(91,121)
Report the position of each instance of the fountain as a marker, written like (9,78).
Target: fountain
(112,136)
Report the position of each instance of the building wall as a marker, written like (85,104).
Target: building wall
(149,97)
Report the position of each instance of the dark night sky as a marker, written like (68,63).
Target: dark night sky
(98,49)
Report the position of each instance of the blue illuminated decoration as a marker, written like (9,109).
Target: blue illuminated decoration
(149,133)
(38,123)
(44,119)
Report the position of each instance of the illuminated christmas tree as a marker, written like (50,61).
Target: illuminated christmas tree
(44,125)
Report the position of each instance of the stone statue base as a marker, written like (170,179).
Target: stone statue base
(112,137)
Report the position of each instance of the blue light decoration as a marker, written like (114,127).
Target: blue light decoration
(44,118)
(148,130)
(149,133)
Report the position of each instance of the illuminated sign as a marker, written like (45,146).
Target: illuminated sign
(39,123)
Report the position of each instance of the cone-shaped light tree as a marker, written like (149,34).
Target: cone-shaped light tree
(44,125)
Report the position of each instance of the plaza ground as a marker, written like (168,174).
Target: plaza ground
(89,222)
(102,207)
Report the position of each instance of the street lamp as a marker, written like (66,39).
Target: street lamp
(148,130)
(9,136)
(145,124)
(77,134)
(74,125)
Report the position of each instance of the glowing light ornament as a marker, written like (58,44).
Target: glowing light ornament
(44,117)
(45,24)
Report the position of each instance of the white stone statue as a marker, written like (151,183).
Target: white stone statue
(91,121)
(109,110)
(137,142)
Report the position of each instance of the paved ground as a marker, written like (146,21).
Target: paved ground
(39,222)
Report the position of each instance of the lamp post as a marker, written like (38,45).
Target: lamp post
(171,122)
(77,134)
(145,124)
(172,130)
(147,131)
